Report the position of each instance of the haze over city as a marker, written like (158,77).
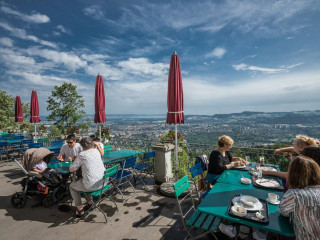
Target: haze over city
(235,55)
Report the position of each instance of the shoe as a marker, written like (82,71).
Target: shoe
(79,213)
(87,207)
(257,235)
(228,230)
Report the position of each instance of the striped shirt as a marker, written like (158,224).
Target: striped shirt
(303,206)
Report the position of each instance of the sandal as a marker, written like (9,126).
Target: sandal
(79,213)
(87,207)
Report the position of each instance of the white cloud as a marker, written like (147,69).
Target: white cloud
(287,92)
(94,57)
(245,67)
(107,71)
(263,18)
(15,60)
(22,34)
(218,52)
(95,12)
(63,29)
(6,42)
(70,60)
(143,66)
(32,18)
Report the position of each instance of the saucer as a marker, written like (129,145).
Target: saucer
(274,203)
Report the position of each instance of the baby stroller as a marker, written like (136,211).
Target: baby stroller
(48,185)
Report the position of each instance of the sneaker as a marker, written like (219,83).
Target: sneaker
(257,235)
(228,230)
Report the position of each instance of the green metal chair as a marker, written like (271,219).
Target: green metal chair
(197,220)
(107,148)
(104,193)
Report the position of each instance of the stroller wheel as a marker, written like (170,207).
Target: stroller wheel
(18,200)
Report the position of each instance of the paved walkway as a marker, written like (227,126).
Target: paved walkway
(147,216)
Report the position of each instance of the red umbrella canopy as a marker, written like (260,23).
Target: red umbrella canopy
(175,92)
(18,116)
(99,101)
(34,108)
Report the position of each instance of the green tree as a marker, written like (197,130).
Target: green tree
(6,110)
(65,105)
(26,111)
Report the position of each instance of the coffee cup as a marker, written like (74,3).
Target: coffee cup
(273,197)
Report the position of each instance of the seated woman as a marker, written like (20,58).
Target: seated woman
(300,143)
(302,201)
(221,159)
(92,170)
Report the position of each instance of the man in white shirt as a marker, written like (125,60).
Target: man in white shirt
(70,150)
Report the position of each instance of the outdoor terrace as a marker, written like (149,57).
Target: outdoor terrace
(149,215)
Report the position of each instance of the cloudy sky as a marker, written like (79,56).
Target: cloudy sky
(235,55)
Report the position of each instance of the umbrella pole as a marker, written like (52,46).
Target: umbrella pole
(35,129)
(176,137)
(100,132)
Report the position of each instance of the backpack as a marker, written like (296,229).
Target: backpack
(203,159)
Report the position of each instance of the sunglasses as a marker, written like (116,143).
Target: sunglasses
(69,142)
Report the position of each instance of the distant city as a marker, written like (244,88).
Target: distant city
(248,129)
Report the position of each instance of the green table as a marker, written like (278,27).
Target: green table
(119,155)
(218,199)
(62,167)
(233,176)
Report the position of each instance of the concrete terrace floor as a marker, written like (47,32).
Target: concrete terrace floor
(148,215)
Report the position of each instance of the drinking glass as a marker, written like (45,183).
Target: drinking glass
(248,160)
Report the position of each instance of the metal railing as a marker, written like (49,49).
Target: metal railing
(188,152)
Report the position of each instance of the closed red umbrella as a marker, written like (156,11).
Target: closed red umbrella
(34,109)
(99,103)
(18,116)
(175,113)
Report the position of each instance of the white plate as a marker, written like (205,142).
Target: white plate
(268,182)
(241,166)
(269,168)
(234,211)
(274,203)
(255,207)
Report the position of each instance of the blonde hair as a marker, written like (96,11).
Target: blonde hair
(225,140)
(303,172)
(305,141)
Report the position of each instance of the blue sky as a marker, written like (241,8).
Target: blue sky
(235,55)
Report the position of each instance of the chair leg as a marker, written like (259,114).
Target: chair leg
(97,205)
(121,184)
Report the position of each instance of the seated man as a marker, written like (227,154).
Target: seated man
(70,150)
